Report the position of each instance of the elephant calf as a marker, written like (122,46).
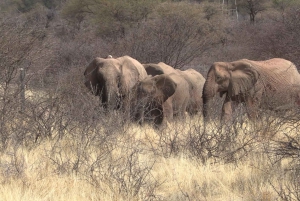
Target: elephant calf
(194,79)
(168,92)
(162,96)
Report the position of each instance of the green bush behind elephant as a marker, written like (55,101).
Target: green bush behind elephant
(112,79)
(272,84)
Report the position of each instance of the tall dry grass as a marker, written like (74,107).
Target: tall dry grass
(143,163)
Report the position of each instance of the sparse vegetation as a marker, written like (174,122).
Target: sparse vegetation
(63,146)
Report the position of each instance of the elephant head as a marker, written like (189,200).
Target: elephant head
(102,78)
(235,79)
(152,92)
(112,79)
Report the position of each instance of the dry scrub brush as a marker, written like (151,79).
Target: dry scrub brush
(75,137)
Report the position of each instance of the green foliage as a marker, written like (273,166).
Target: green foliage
(252,7)
(25,5)
(50,3)
(174,33)
(112,17)
(282,5)
(210,10)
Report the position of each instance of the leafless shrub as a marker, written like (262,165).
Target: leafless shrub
(14,164)
(285,151)
(19,44)
(287,185)
(103,152)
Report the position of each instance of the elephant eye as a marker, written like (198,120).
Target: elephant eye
(218,77)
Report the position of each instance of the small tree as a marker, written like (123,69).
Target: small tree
(253,7)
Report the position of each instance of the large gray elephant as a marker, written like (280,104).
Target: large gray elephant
(194,79)
(161,97)
(271,84)
(113,78)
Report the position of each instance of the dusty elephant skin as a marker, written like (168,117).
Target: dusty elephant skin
(161,97)
(272,84)
(112,80)
(194,79)
(158,69)
(156,100)
(196,83)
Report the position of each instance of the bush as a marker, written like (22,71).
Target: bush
(175,34)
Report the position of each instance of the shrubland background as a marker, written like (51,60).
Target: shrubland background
(56,143)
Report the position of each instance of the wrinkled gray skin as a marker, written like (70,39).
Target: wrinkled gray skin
(271,84)
(194,79)
(161,97)
(112,80)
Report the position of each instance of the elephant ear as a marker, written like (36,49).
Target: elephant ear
(93,66)
(165,85)
(153,69)
(243,77)
(129,77)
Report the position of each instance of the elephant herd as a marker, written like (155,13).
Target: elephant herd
(158,92)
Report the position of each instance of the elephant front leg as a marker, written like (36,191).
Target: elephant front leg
(251,109)
(167,111)
(227,110)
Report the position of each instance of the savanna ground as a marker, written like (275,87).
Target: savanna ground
(56,143)
(50,155)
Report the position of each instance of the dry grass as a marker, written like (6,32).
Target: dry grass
(48,172)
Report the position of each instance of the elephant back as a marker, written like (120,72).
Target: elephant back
(276,76)
(135,66)
(166,68)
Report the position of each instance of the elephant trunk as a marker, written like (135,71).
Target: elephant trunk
(110,98)
(142,106)
(209,91)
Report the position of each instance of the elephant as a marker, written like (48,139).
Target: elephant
(271,84)
(112,80)
(196,83)
(161,97)
(158,69)
(194,78)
